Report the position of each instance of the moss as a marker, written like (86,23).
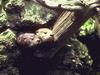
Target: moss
(87,28)
(8,36)
(7,40)
(13,6)
(82,51)
(15,2)
(3,18)
(36,13)
(2,49)
(0,2)
(3,57)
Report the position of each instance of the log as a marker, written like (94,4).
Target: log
(66,25)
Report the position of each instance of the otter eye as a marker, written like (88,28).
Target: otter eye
(38,41)
(51,34)
(32,38)
(45,32)
(24,38)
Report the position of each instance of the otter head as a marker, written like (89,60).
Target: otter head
(45,34)
(28,39)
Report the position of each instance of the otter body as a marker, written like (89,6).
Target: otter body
(28,39)
(41,37)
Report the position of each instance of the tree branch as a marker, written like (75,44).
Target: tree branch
(69,26)
(68,23)
(78,5)
(60,6)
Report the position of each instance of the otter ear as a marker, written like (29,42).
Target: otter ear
(36,31)
(52,34)
(20,33)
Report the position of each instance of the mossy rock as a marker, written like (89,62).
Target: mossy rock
(36,13)
(81,51)
(3,18)
(23,12)
(8,36)
(7,41)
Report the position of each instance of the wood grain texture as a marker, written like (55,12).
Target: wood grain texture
(66,25)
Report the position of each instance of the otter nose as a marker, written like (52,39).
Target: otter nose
(38,40)
(51,34)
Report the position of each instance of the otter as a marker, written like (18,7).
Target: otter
(28,39)
(45,34)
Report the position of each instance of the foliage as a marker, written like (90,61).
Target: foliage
(87,28)
(7,36)
(3,17)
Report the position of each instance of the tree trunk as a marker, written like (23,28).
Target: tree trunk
(70,23)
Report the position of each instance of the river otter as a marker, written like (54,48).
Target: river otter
(28,39)
(45,34)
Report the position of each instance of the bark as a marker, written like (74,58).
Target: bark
(71,22)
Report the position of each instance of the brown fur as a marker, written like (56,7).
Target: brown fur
(28,39)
